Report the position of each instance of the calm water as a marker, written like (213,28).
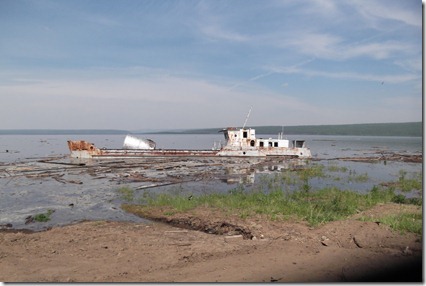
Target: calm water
(26,147)
(98,199)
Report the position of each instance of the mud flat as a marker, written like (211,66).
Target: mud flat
(101,251)
(87,189)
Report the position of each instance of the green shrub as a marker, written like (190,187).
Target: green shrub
(43,217)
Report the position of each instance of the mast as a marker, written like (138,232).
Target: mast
(245,122)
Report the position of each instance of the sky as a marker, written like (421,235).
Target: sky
(150,64)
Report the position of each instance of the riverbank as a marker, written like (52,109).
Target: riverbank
(98,251)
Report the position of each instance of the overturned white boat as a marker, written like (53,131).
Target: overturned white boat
(238,143)
(132,142)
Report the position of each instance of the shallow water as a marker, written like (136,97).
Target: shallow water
(25,147)
(75,195)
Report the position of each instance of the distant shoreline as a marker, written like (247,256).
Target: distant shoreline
(62,132)
(407,129)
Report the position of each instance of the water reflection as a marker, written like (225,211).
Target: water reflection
(236,174)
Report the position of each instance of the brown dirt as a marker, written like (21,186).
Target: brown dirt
(99,251)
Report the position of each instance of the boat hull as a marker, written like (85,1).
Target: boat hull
(86,150)
(263,152)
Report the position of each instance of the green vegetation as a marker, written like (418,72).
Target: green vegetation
(126,193)
(289,196)
(406,222)
(403,222)
(306,174)
(334,168)
(316,208)
(43,217)
(358,178)
(408,184)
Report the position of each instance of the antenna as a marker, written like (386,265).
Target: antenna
(245,122)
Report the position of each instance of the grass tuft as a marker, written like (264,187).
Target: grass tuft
(325,205)
(126,193)
(403,222)
(43,217)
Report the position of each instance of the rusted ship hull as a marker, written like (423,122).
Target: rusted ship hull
(86,150)
(239,143)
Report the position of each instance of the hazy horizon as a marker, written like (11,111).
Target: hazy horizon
(247,126)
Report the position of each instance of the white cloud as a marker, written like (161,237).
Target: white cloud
(215,44)
(328,46)
(165,101)
(348,75)
(389,10)
(412,65)
(320,45)
(160,101)
(216,32)
(377,51)
(325,8)
(340,41)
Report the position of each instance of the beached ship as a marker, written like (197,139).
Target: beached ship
(240,142)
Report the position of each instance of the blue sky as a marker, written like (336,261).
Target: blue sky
(135,65)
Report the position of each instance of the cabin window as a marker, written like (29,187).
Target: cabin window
(252,143)
(270,144)
(275,144)
(261,143)
(244,134)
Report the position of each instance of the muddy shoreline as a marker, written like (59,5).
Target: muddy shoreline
(200,246)
(101,251)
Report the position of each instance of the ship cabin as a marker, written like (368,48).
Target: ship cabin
(246,138)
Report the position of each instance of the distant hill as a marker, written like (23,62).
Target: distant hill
(412,129)
(61,131)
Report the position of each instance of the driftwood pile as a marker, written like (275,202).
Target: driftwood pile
(149,172)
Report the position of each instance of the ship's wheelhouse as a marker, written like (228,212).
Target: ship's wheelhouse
(240,137)
(246,138)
